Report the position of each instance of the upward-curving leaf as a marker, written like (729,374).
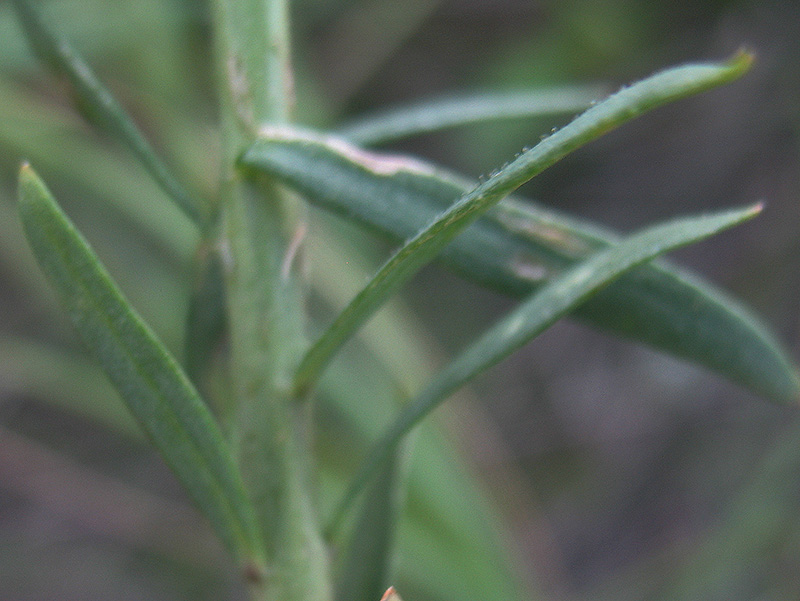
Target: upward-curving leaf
(535,315)
(100,106)
(350,179)
(149,380)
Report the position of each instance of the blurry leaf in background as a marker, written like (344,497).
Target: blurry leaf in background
(367,567)
(100,107)
(467,109)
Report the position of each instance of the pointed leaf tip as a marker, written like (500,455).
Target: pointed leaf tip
(757,208)
(27,175)
(743,59)
(28,180)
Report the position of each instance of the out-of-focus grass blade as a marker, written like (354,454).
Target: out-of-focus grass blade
(75,384)
(425,245)
(444,113)
(56,141)
(752,536)
(100,107)
(535,315)
(516,248)
(450,541)
(364,574)
(151,383)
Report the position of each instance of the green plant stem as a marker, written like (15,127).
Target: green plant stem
(260,233)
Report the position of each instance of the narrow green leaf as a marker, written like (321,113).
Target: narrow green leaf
(151,383)
(424,246)
(396,354)
(517,247)
(535,315)
(365,572)
(444,113)
(100,107)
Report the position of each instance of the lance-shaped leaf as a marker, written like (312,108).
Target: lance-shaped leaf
(535,315)
(149,380)
(100,106)
(516,247)
(364,573)
(392,185)
(444,113)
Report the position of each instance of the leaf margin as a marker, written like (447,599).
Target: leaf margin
(142,371)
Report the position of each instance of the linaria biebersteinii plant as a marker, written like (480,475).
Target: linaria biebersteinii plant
(233,420)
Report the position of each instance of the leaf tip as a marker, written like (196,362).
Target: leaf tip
(741,62)
(27,178)
(28,175)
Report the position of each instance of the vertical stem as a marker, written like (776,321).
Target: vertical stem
(261,233)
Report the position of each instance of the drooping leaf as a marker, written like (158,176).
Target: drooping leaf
(535,315)
(100,107)
(520,249)
(444,113)
(149,380)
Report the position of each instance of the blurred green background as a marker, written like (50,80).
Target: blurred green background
(596,469)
